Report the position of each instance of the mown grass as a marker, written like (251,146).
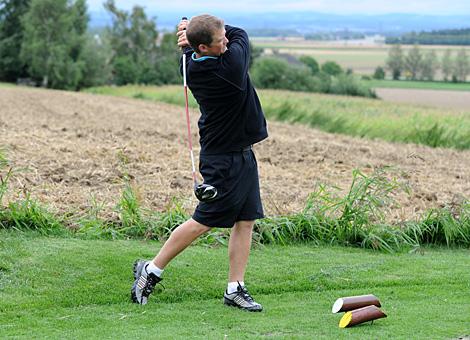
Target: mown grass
(69,288)
(365,118)
(425,85)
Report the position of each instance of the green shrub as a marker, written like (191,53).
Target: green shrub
(275,73)
(311,63)
(322,81)
(379,73)
(349,85)
(332,68)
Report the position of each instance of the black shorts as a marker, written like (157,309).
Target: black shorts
(235,176)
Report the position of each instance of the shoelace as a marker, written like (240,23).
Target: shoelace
(246,295)
(152,281)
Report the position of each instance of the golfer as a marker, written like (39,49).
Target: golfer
(217,60)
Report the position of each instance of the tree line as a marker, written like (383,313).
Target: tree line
(419,65)
(306,74)
(440,37)
(48,43)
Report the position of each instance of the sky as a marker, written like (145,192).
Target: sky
(433,7)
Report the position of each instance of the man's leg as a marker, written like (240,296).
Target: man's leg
(239,249)
(179,240)
(148,273)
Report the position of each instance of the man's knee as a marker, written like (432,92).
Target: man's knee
(197,228)
(244,224)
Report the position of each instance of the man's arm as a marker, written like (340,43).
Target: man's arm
(236,59)
(239,45)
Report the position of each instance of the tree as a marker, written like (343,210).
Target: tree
(413,62)
(168,56)
(332,68)
(379,73)
(133,40)
(311,63)
(11,38)
(447,65)
(461,66)
(429,66)
(53,38)
(95,56)
(395,61)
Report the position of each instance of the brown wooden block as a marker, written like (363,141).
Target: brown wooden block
(354,302)
(357,316)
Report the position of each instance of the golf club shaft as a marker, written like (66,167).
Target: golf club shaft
(190,144)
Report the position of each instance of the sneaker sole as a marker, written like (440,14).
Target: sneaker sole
(230,303)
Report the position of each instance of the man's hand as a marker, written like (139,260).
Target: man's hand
(181,34)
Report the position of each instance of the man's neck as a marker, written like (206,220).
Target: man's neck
(200,55)
(205,56)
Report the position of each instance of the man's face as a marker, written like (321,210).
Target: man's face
(218,45)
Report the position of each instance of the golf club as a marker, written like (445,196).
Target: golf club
(204,192)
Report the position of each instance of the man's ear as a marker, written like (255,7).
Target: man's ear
(203,48)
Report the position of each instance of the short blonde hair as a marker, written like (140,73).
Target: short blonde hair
(201,29)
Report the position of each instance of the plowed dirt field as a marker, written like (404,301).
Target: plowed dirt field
(69,147)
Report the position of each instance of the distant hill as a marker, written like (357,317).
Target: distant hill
(311,22)
(440,37)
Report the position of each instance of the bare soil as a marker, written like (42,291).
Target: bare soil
(71,147)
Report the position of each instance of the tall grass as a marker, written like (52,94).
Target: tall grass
(356,219)
(25,213)
(28,214)
(449,226)
(132,220)
(359,117)
(4,175)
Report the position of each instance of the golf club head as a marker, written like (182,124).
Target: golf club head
(205,192)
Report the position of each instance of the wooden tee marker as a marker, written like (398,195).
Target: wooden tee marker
(358,309)
(361,315)
(354,302)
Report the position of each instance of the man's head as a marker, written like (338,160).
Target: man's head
(206,35)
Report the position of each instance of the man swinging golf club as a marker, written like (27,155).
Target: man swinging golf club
(216,71)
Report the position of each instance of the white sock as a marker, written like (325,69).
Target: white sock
(232,286)
(152,268)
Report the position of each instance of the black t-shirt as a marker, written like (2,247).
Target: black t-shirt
(231,114)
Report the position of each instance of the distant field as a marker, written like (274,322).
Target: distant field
(362,58)
(431,98)
(425,85)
